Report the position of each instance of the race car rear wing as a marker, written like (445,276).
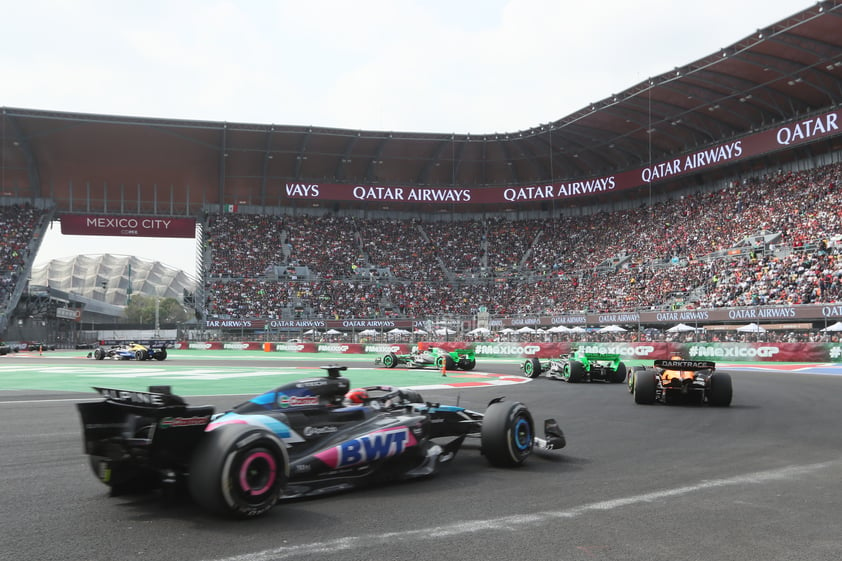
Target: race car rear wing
(126,421)
(603,356)
(689,365)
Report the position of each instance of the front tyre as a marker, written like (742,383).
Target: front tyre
(390,360)
(99,353)
(532,368)
(239,470)
(574,371)
(507,434)
(446,362)
(631,375)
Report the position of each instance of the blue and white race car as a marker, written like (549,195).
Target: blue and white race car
(130,351)
(305,438)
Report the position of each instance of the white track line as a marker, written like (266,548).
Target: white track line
(516,522)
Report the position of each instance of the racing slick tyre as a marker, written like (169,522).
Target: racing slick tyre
(507,434)
(161,354)
(141,354)
(720,389)
(446,361)
(99,353)
(619,375)
(390,360)
(532,368)
(239,470)
(468,364)
(645,386)
(574,371)
(631,374)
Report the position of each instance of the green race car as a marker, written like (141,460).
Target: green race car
(579,366)
(463,359)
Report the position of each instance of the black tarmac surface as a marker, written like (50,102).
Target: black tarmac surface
(758,481)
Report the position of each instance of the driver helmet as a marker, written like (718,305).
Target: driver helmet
(356,396)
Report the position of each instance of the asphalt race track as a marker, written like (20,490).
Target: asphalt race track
(758,481)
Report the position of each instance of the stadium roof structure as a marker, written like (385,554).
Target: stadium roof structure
(106,278)
(789,70)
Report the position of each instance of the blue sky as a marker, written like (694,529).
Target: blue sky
(471,66)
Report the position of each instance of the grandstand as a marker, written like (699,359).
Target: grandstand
(710,187)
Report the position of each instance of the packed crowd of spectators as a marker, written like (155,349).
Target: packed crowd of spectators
(706,249)
(18,224)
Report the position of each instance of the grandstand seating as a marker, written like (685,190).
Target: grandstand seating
(711,248)
(20,226)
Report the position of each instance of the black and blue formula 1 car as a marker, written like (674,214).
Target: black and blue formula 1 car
(304,438)
(130,351)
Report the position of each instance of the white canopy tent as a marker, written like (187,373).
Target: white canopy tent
(611,329)
(525,329)
(681,328)
(751,328)
(834,327)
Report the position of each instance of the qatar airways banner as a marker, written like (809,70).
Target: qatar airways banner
(293,324)
(791,135)
(697,318)
(130,226)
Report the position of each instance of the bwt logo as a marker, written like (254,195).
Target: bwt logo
(371,447)
(236,346)
(200,346)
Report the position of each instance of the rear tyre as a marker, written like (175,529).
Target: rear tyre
(239,470)
(390,360)
(507,434)
(574,371)
(644,387)
(161,354)
(631,374)
(619,375)
(532,368)
(469,364)
(720,390)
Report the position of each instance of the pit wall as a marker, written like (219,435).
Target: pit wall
(731,352)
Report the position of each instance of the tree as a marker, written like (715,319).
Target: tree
(142,310)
